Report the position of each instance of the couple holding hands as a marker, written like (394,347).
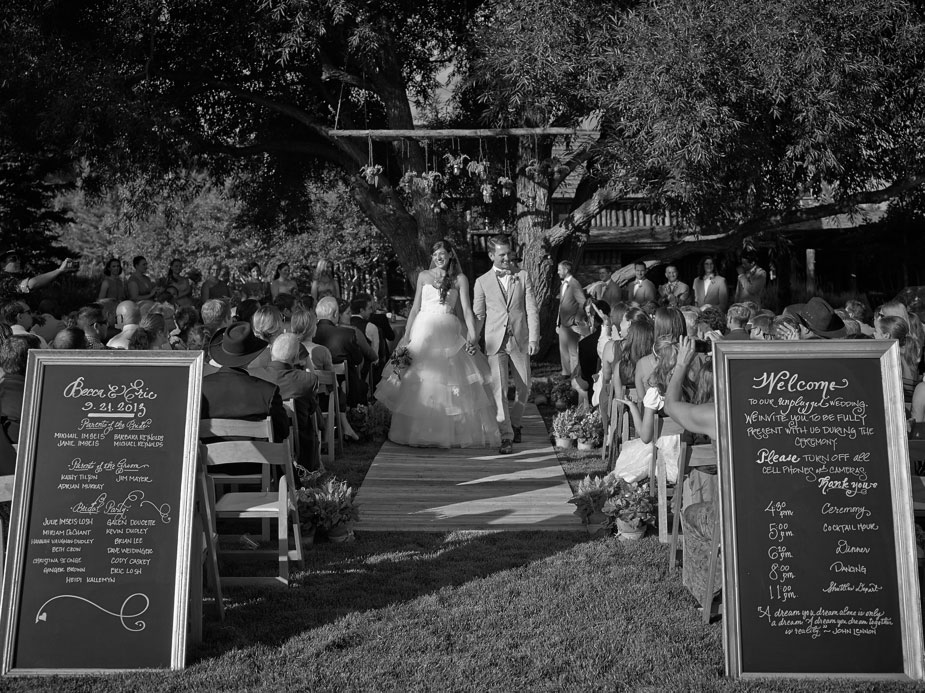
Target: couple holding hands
(451,395)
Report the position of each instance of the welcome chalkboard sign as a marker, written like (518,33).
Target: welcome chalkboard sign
(97,571)
(819,556)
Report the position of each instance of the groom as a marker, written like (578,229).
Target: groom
(504,304)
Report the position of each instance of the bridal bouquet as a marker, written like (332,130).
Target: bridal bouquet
(401,359)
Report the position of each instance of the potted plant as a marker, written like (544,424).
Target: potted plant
(630,509)
(561,395)
(590,498)
(565,427)
(456,163)
(591,431)
(327,509)
(371,173)
(540,389)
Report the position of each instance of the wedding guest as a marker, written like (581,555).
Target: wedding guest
(386,336)
(113,284)
(182,288)
(324,283)
(139,341)
(216,284)
(18,316)
(282,282)
(185,318)
(48,322)
(860,312)
(298,385)
(70,338)
(668,321)
(571,312)
(709,286)
(267,324)
(752,280)
(128,317)
(140,286)
(589,361)
(14,355)
(14,284)
(156,327)
(641,290)
(674,292)
(93,323)
(304,324)
(233,393)
(602,285)
(255,286)
(737,318)
(216,314)
(246,309)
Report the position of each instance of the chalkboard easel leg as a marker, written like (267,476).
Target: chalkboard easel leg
(711,572)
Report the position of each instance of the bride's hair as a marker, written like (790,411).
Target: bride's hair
(452,268)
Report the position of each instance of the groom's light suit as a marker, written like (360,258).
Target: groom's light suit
(511,322)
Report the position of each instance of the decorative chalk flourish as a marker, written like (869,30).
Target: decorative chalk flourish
(42,615)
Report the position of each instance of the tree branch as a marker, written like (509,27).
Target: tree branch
(319,150)
(579,218)
(290,111)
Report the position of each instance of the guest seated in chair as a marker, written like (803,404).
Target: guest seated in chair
(697,519)
(298,385)
(231,392)
(14,354)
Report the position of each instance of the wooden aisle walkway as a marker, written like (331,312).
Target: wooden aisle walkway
(430,489)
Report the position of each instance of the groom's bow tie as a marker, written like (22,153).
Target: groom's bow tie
(502,273)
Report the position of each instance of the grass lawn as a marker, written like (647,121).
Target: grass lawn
(464,611)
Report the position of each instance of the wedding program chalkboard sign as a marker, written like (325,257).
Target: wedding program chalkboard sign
(97,571)
(819,556)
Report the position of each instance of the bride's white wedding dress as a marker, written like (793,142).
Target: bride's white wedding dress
(444,398)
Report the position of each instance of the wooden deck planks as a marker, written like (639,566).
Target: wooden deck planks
(431,489)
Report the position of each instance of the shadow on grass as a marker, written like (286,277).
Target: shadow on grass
(374,572)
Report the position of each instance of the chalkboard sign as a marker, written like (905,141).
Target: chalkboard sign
(97,571)
(819,557)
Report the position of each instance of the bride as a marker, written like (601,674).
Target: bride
(443,398)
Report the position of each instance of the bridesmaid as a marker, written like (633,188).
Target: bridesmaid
(324,283)
(710,287)
(282,282)
(113,285)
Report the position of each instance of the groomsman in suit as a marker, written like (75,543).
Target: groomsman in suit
(571,312)
(641,290)
(674,292)
(505,305)
(752,280)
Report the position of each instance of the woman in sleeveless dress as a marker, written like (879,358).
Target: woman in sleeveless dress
(324,283)
(113,285)
(444,397)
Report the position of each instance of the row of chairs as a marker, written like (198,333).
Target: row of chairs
(618,429)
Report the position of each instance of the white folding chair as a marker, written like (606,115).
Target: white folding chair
(279,504)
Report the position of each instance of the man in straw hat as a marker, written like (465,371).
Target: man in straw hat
(231,392)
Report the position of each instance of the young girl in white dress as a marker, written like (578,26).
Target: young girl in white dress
(444,398)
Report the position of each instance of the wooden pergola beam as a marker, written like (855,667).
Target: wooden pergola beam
(452,133)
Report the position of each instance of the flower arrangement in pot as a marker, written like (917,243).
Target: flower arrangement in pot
(541,390)
(591,431)
(630,509)
(562,394)
(565,426)
(591,496)
(327,509)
